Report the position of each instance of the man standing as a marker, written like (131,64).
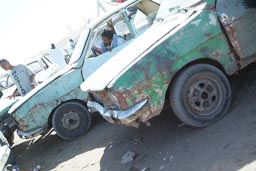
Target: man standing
(57,57)
(72,44)
(21,75)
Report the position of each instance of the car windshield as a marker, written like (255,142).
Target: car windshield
(79,46)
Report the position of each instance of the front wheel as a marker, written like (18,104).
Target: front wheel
(200,95)
(8,134)
(71,120)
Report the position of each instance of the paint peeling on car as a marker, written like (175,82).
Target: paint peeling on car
(200,40)
(213,19)
(33,112)
(36,111)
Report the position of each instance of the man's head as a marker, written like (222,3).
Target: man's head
(5,64)
(107,36)
(53,46)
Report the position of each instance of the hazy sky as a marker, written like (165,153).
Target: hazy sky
(27,26)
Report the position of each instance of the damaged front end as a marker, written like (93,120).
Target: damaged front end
(118,116)
(117,110)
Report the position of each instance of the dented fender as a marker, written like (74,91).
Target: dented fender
(34,113)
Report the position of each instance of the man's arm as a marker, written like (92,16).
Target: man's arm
(32,77)
(13,94)
(32,80)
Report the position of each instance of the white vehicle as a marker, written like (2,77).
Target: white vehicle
(6,155)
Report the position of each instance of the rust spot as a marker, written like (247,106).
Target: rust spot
(217,54)
(36,107)
(232,34)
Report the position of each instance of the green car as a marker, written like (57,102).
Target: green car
(59,103)
(184,58)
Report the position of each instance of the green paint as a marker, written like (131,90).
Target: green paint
(35,112)
(201,38)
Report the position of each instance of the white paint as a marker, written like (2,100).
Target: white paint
(225,19)
(196,22)
(213,20)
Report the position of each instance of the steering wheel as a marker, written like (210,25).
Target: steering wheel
(95,51)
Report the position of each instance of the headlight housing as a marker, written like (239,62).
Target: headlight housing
(108,100)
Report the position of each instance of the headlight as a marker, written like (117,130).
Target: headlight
(110,101)
(107,99)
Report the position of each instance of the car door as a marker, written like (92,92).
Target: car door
(238,18)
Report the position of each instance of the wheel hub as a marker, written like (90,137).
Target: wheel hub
(203,96)
(71,120)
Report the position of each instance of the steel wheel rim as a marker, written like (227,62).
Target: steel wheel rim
(71,121)
(204,95)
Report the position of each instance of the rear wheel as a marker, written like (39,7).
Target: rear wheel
(71,120)
(200,95)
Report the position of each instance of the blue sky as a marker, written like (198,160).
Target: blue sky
(28,26)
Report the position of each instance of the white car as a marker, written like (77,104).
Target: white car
(6,155)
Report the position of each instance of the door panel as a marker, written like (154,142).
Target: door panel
(238,18)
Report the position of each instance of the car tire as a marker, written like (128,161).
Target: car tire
(200,95)
(71,120)
(9,135)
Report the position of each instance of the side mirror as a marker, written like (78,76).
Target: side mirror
(1,94)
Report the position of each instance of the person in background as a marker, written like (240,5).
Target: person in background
(57,57)
(72,43)
(21,75)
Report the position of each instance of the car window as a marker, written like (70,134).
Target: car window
(120,26)
(139,19)
(35,67)
(117,24)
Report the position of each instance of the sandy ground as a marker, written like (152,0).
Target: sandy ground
(167,145)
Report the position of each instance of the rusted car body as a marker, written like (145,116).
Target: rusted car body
(59,102)
(185,57)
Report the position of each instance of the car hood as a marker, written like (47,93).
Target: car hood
(131,54)
(38,88)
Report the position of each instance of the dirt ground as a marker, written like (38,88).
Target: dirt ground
(167,145)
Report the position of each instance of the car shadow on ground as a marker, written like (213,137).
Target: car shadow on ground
(50,151)
(166,144)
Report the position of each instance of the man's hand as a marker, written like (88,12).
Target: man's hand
(11,97)
(32,81)
(14,94)
(96,51)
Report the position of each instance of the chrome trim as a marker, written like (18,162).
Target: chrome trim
(117,116)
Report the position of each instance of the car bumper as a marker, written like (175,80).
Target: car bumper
(31,133)
(116,116)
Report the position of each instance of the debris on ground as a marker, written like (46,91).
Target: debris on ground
(181,125)
(128,157)
(38,168)
(137,140)
(171,158)
(161,167)
(148,123)
(10,167)
(145,169)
